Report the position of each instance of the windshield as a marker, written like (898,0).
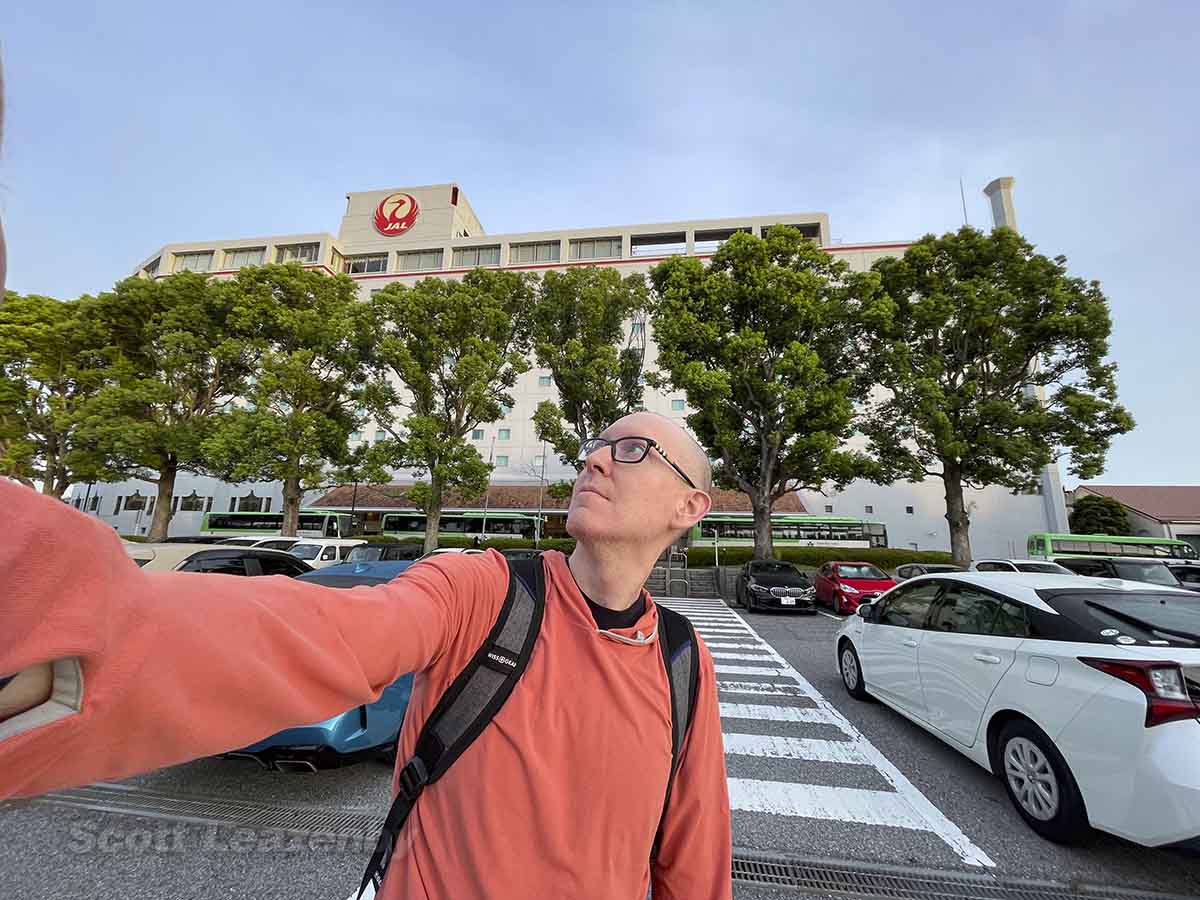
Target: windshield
(365,554)
(1152,573)
(306,551)
(141,562)
(862,571)
(1046,568)
(773,568)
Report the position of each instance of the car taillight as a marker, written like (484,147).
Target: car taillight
(1167,698)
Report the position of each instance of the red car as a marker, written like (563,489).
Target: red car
(844,585)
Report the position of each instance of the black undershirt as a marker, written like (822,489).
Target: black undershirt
(607,619)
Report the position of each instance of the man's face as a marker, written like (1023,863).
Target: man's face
(638,503)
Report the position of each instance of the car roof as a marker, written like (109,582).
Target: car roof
(851,562)
(1024,586)
(173,554)
(375,572)
(336,542)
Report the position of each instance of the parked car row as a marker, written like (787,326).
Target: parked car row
(1082,694)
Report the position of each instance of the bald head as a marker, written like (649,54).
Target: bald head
(683,449)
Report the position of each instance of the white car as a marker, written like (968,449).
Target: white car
(1082,694)
(1041,566)
(274,542)
(322,552)
(443,550)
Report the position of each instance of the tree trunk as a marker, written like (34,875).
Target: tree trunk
(291,507)
(764,542)
(433,515)
(956,515)
(161,523)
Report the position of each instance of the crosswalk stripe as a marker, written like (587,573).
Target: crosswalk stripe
(722,645)
(765,688)
(723,669)
(818,801)
(777,747)
(776,713)
(758,656)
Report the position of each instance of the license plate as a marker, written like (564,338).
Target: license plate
(788,601)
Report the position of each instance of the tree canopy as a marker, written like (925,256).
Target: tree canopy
(1094,514)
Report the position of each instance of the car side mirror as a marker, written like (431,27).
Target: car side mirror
(865,610)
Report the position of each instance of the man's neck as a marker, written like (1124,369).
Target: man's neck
(611,576)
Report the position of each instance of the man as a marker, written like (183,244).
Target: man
(123,671)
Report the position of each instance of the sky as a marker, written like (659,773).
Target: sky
(134,125)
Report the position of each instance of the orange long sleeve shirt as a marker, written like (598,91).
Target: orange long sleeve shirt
(559,797)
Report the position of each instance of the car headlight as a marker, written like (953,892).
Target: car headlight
(847,589)
(760,589)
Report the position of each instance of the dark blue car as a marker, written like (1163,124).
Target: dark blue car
(360,733)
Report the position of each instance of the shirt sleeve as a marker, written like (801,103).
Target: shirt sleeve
(157,668)
(695,856)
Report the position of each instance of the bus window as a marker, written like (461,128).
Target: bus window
(331,526)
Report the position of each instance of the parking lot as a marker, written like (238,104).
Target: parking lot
(814,776)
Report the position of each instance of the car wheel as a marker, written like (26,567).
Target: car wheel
(851,670)
(1040,784)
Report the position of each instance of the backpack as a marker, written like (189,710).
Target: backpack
(477,694)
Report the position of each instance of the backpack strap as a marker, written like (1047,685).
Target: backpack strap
(681,658)
(469,704)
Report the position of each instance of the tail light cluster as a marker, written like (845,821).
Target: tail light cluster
(1163,683)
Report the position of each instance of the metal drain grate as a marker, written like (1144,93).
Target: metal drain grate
(217,811)
(861,879)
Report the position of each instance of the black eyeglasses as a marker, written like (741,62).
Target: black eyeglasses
(630,450)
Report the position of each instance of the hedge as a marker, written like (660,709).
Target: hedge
(884,557)
(566,545)
(137,538)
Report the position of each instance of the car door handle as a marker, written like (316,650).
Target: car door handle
(909,642)
(989,658)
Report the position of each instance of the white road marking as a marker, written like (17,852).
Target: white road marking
(720,645)
(836,618)
(817,801)
(776,747)
(776,713)
(721,655)
(767,688)
(723,669)
(905,807)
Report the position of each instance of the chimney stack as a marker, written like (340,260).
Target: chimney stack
(1000,193)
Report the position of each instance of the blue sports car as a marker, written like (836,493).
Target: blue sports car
(360,733)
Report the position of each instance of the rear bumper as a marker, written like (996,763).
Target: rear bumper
(335,742)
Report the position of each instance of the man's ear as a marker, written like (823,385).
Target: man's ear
(691,509)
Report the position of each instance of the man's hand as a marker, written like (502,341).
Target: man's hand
(31,687)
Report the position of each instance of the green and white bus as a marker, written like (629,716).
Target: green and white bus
(1047,545)
(737,530)
(313,523)
(462,524)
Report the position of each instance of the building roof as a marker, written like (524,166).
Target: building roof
(1167,503)
(507,496)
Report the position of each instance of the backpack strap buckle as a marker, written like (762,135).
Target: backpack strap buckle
(413,778)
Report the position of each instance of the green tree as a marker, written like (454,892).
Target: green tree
(994,365)
(315,384)
(176,362)
(1094,514)
(578,334)
(49,368)
(770,345)
(457,348)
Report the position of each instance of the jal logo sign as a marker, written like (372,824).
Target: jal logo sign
(395,214)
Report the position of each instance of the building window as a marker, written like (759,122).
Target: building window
(194,262)
(596,248)
(152,268)
(477,434)
(380,435)
(135,501)
(869,510)
(356,435)
(470,257)
(245,256)
(117,507)
(539,460)
(174,505)
(908,510)
(505,410)
(301,253)
(364,263)
(208,501)
(545,381)
(150,505)
(502,460)
(266,505)
(828,508)
(546,251)
(677,406)
(420,260)
(250,503)
(192,503)
(337,259)
(505,434)
(94,503)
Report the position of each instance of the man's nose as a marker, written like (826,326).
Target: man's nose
(599,459)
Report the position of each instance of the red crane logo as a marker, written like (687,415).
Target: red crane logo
(395,214)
